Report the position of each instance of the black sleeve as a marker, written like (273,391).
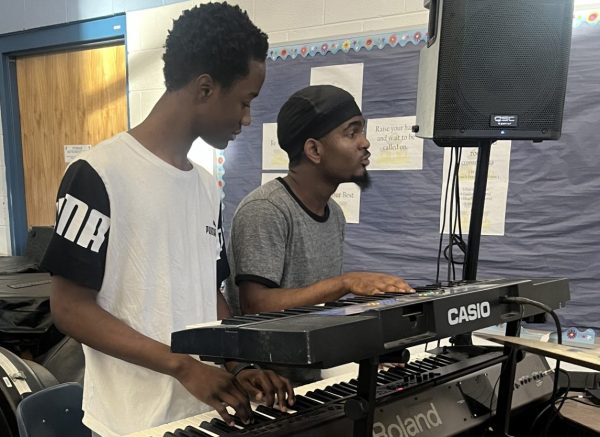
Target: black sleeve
(77,250)
(223,270)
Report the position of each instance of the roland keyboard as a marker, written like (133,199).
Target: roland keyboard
(356,328)
(440,395)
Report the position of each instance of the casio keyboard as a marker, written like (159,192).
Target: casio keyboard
(438,395)
(357,328)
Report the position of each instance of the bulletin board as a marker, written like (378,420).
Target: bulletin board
(552,219)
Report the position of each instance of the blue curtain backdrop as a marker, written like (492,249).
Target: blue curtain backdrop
(553,212)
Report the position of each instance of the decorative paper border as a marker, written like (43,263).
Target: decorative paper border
(590,17)
(285,52)
(347,44)
(219,170)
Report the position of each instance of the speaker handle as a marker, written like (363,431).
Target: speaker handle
(432,26)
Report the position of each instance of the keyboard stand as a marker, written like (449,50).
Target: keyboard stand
(361,409)
(506,384)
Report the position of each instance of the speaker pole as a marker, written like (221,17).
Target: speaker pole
(481,176)
(472,255)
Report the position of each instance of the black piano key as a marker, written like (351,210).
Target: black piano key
(348,386)
(294,312)
(332,396)
(392,295)
(319,396)
(260,418)
(196,432)
(444,360)
(435,364)
(168,434)
(338,304)
(232,322)
(405,370)
(424,288)
(343,391)
(310,308)
(312,395)
(259,317)
(362,299)
(301,310)
(182,433)
(275,314)
(402,376)
(385,378)
(210,427)
(269,411)
(438,361)
(238,421)
(390,376)
(220,424)
(304,403)
(422,365)
(414,367)
(248,319)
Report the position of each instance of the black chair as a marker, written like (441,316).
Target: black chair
(53,412)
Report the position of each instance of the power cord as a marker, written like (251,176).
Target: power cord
(451,211)
(546,308)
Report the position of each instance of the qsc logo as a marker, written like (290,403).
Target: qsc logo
(504,120)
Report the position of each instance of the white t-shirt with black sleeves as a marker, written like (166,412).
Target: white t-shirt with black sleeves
(147,236)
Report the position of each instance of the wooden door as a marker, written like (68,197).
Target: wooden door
(75,97)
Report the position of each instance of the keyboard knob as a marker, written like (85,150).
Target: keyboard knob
(356,409)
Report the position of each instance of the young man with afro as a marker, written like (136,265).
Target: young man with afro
(138,250)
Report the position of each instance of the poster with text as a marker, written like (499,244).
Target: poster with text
(494,212)
(393,144)
(273,156)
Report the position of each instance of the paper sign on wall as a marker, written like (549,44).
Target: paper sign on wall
(348,197)
(202,154)
(347,76)
(73,150)
(497,187)
(393,144)
(266,177)
(273,156)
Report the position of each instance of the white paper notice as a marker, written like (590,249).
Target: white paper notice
(203,155)
(393,145)
(348,197)
(494,212)
(266,177)
(273,156)
(73,150)
(347,76)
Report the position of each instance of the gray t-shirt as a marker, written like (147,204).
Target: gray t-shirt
(276,241)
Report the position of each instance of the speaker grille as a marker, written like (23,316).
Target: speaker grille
(506,57)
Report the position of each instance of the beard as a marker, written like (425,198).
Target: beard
(363,181)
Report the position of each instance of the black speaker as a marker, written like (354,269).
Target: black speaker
(494,69)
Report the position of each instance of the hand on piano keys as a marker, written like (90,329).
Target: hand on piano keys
(308,397)
(264,385)
(210,424)
(370,283)
(220,389)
